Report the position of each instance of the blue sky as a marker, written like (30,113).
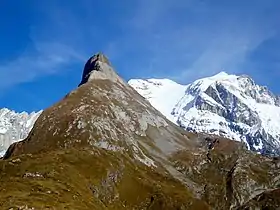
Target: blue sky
(44,44)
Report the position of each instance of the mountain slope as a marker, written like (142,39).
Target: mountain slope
(106,125)
(225,105)
(104,146)
(14,127)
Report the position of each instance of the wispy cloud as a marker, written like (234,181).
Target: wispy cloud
(44,59)
(49,50)
(183,40)
(192,39)
(228,51)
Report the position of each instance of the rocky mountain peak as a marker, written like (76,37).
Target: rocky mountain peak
(103,112)
(99,67)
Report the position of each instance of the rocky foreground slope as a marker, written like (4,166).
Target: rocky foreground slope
(231,106)
(105,147)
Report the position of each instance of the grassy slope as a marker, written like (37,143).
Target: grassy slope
(87,179)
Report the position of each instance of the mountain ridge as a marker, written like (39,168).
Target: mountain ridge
(216,105)
(177,100)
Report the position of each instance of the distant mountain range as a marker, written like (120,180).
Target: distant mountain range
(14,127)
(225,105)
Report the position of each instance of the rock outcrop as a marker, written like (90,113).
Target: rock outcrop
(99,67)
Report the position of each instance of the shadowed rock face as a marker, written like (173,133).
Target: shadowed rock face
(99,67)
(105,147)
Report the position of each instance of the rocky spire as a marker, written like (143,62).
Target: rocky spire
(99,67)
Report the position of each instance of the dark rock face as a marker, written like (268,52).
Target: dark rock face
(93,64)
(234,110)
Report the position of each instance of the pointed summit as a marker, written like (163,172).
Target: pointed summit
(221,75)
(99,67)
(100,57)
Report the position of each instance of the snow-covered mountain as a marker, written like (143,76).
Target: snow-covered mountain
(226,105)
(14,127)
